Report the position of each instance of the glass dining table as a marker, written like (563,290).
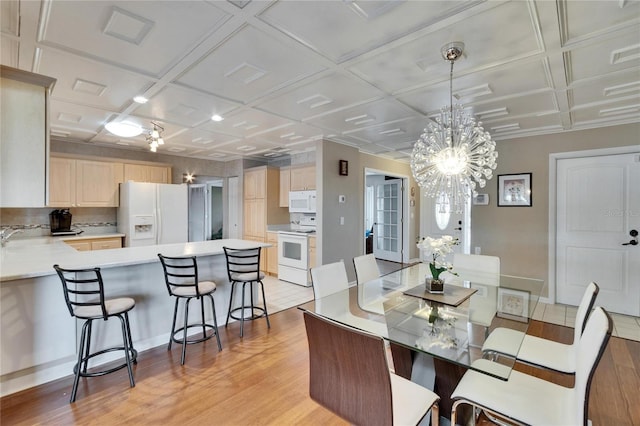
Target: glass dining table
(449,327)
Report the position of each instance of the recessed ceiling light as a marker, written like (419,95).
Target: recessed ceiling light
(217,118)
(140,99)
(124,129)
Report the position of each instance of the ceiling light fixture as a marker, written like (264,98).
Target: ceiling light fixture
(124,129)
(216,117)
(454,154)
(140,99)
(154,138)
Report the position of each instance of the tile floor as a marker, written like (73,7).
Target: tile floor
(283,295)
(623,325)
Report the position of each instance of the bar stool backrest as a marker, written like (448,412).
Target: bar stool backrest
(243,263)
(82,288)
(180,272)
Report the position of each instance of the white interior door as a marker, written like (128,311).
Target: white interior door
(598,200)
(387,234)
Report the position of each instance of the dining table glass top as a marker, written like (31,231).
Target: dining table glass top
(398,308)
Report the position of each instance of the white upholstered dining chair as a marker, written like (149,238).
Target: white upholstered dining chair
(328,279)
(484,271)
(541,352)
(529,400)
(349,376)
(366,268)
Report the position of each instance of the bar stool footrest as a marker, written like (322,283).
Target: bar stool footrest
(208,327)
(261,313)
(133,355)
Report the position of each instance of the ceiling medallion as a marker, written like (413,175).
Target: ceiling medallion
(454,154)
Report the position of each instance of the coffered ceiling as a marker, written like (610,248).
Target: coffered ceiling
(284,74)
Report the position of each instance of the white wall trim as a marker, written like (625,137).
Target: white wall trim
(553,163)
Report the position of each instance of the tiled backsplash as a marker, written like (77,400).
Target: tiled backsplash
(35,222)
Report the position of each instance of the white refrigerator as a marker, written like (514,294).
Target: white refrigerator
(153,213)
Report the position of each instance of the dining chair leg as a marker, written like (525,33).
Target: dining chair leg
(264,301)
(173,326)
(133,351)
(88,347)
(215,322)
(184,330)
(242,311)
(127,355)
(435,415)
(78,367)
(204,330)
(233,288)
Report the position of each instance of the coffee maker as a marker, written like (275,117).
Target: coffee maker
(60,222)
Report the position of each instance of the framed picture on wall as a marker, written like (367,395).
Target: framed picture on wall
(514,190)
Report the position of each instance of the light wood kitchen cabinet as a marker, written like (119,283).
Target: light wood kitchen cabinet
(147,173)
(84,183)
(303,178)
(254,218)
(285,186)
(272,253)
(98,243)
(97,183)
(261,202)
(255,183)
(312,251)
(261,206)
(62,182)
(24,138)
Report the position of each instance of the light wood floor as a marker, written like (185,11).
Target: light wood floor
(261,380)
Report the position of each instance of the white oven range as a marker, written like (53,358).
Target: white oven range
(293,253)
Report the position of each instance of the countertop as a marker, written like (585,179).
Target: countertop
(35,257)
(288,228)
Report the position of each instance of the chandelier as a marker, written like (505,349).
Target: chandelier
(455,154)
(154,138)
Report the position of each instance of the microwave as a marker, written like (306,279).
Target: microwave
(302,202)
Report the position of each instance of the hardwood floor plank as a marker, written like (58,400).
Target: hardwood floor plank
(263,380)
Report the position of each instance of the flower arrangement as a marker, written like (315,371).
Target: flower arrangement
(437,249)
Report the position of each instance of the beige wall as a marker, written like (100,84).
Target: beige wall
(347,241)
(519,235)
(338,241)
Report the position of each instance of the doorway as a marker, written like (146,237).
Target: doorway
(596,203)
(206,209)
(437,220)
(386,229)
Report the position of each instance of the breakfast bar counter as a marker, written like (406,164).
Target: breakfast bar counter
(38,337)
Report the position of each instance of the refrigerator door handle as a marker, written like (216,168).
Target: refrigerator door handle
(158,217)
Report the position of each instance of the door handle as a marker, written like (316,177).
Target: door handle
(634,240)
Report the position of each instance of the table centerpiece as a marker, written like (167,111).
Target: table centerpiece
(436,249)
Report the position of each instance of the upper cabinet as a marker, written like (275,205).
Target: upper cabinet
(255,182)
(97,183)
(146,173)
(84,183)
(24,137)
(303,178)
(89,182)
(285,186)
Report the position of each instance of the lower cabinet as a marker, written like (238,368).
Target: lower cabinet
(312,252)
(87,244)
(272,253)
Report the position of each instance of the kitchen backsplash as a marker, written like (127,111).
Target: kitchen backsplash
(35,222)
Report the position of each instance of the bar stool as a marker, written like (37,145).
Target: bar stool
(243,266)
(181,277)
(84,295)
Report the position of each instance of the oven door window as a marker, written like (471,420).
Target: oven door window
(292,250)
